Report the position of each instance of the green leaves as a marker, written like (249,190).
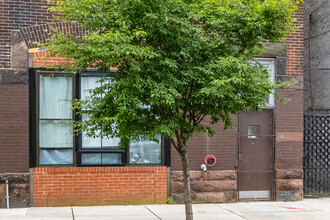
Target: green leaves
(178,60)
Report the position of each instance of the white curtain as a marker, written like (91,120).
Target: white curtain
(55,136)
(53,93)
(88,83)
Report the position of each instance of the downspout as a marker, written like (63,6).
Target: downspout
(7,194)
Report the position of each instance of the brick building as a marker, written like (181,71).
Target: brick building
(316,97)
(262,159)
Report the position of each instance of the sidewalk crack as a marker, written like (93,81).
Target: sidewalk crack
(153,213)
(232,212)
(72,213)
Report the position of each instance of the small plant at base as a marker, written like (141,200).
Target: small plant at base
(169,200)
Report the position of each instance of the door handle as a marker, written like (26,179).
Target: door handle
(240,157)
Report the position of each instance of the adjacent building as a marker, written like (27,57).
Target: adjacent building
(317,97)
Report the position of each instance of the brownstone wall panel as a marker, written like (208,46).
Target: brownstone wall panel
(289,184)
(289,174)
(14,128)
(19,190)
(210,186)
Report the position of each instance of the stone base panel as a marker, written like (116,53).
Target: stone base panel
(289,184)
(18,190)
(210,186)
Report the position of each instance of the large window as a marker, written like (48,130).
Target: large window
(56,143)
(55,119)
(100,150)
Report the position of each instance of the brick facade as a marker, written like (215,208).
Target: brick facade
(74,186)
(24,22)
(289,120)
(222,145)
(16,14)
(295,45)
(316,97)
(14,129)
(42,59)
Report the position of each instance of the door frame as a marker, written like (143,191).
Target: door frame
(272,163)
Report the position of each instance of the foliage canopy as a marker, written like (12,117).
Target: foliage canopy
(178,60)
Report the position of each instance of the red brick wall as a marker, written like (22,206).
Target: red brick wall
(14,128)
(295,45)
(41,59)
(98,185)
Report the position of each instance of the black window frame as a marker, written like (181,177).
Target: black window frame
(34,107)
(38,73)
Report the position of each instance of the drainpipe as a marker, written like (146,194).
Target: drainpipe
(7,194)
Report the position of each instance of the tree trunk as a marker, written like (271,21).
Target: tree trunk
(186,179)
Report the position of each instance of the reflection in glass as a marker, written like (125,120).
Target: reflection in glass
(101,158)
(253,131)
(145,151)
(55,157)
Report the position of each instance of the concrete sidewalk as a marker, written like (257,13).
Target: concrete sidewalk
(318,208)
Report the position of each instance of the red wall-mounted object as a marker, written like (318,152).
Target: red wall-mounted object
(210,160)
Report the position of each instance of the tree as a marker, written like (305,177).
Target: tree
(178,61)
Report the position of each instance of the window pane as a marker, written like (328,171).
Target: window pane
(56,157)
(91,158)
(88,142)
(99,158)
(98,142)
(110,142)
(55,134)
(253,131)
(88,83)
(111,158)
(145,152)
(53,92)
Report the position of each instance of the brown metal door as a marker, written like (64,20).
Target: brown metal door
(256,141)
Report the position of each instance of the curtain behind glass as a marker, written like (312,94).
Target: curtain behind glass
(88,83)
(53,92)
(56,157)
(55,136)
